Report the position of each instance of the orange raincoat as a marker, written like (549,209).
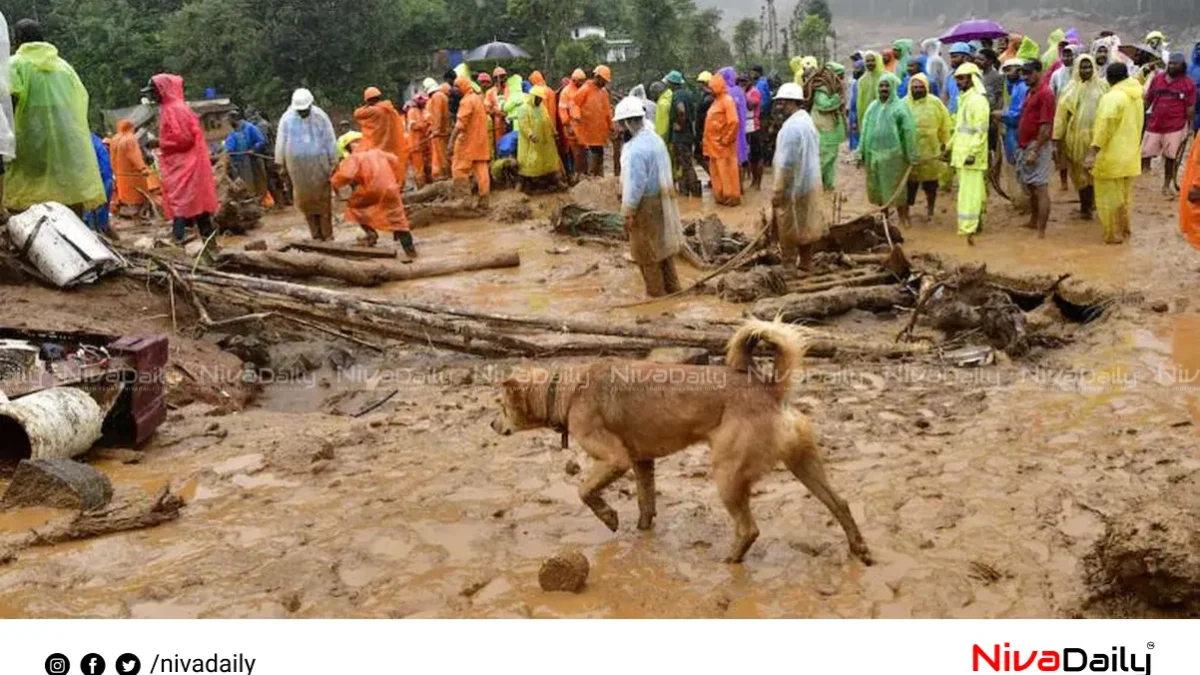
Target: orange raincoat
(491,105)
(129,166)
(418,144)
(1189,211)
(383,128)
(472,151)
(551,102)
(721,131)
(591,113)
(376,201)
(438,110)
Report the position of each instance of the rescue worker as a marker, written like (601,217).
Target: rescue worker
(306,152)
(376,203)
(418,139)
(721,132)
(491,105)
(591,114)
(704,79)
(1074,121)
(189,191)
(651,216)
(566,102)
(244,143)
(8,140)
(346,136)
(969,148)
(889,147)
(472,148)
(682,136)
(796,173)
(440,126)
(537,152)
(1114,158)
(130,171)
(824,92)
(867,89)
(383,128)
(933,124)
(1189,199)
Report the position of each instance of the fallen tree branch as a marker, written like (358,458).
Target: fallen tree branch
(305,265)
(164,507)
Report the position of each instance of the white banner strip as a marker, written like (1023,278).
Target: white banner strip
(259,647)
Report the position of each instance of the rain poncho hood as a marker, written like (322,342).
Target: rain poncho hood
(904,50)
(307,148)
(935,66)
(1075,117)
(55,160)
(1029,49)
(8,140)
(1118,131)
(729,75)
(971,122)
(187,179)
(646,172)
(888,145)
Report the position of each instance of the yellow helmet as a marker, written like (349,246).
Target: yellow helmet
(704,77)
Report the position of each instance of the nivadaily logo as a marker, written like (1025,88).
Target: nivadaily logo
(1068,660)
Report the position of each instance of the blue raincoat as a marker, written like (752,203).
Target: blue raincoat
(1194,72)
(853,116)
(1016,93)
(97,219)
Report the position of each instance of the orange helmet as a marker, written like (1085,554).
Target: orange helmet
(484,78)
(603,72)
(579,75)
(372,92)
(499,72)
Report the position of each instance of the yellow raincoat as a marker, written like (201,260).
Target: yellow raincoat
(1117,134)
(801,63)
(1075,118)
(55,159)
(933,132)
(537,151)
(662,114)
(970,141)
(868,86)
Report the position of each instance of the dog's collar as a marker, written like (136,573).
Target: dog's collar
(551,396)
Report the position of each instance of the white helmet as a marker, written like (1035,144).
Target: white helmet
(302,99)
(790,91)
(629,108)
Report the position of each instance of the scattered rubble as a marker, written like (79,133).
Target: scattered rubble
(57,483)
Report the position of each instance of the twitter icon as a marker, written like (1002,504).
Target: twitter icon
(128,664)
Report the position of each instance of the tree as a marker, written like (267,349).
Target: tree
(656,31)
(551,22)
(744,35)
(809,37)
(703,46)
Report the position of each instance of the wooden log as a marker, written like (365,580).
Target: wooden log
(343,250)
(164,507)
(430,193)
(830,303)
(869,279)
(305,265)
(858,235)
(424,215)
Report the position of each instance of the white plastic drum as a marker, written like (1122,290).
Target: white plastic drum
(55,241)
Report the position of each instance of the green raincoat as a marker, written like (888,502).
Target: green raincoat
(514,100)
(889,146)
(868,87)
(55,159)
(904,50)
(1029,49)
(537,152)
(828,115)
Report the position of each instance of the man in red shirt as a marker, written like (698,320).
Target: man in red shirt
(1036,161)
(1171,101)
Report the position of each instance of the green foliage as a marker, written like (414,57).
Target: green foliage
(745,33)
(810,27)
(258,51)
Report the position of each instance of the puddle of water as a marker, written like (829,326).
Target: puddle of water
(20,520)
(1185,351)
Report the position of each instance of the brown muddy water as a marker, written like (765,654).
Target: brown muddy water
(977,489)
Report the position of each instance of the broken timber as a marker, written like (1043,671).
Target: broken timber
(305,265)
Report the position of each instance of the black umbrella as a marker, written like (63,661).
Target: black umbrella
(497,51)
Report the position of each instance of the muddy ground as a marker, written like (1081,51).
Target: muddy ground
(980,491)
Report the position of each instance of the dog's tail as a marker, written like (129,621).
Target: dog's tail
(790,348)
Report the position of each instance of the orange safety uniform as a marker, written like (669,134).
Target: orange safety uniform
(418,144)
(129,166)
(376,202)
(491,105)
(471,147)
(721,130)
(1189,211)
(591,113)
(383,128)
(439,134)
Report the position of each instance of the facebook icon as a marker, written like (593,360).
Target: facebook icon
(92,664)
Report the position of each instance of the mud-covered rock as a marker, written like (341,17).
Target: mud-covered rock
(1151,552)
(567,571)
(248,348)
(763,281)
(57,483)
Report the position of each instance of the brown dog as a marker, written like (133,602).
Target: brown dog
(628,414)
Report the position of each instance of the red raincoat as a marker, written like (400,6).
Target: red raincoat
(187,178)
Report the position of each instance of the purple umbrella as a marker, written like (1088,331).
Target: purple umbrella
(975,29)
